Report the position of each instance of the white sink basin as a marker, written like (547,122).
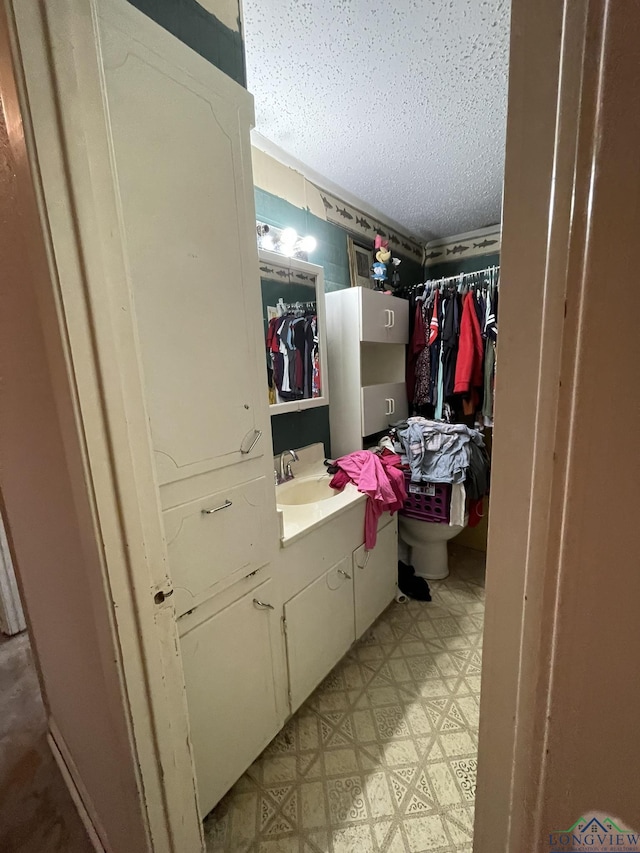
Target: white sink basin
(308,491)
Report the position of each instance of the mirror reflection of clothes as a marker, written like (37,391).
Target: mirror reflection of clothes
(292,343)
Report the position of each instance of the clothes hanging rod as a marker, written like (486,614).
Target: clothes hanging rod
(460,277)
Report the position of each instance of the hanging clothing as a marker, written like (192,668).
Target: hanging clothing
(422,394)
(457,505)
(454,372)
(417,345)
(293,360)
(469,377)
(450,332)
(489,381)
(377,476)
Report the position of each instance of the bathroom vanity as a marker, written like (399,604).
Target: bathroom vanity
(270,638)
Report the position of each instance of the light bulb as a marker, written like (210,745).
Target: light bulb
(289,236)
(308,244)
(287,249)
(267,243)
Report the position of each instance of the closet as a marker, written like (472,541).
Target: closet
(367,333)
(451,361)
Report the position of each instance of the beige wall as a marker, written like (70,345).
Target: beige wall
(226,11)
(558,728)
(285,182)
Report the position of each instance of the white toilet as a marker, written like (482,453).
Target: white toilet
(428,543)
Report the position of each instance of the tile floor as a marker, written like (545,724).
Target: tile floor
(382,757)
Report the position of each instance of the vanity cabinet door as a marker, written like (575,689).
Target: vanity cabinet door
(182,162)
(382,405)
(231,691)
(320,629)
(375,574)
(215,540)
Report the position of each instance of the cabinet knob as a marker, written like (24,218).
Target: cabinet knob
(263,604)
(346,574)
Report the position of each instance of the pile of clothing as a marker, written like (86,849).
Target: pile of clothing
(438,452)
(452,354)
(377,475)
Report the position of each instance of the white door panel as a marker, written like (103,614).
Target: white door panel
(375,316)
(375,574)
(382,405)
(177,149)
(398,330)
(320,629)
(216,538)
(231,692)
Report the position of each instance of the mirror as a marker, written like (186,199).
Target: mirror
(294,333)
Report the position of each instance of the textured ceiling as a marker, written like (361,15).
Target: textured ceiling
(402,103)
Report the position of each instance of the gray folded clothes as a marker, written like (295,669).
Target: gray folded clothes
(438,452)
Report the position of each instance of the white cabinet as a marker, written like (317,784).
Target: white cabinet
(367,334)
(231,691)
(383,318)
(375,574)
(191,253)
(382,403)
(216,539)
(181,160)
(319,629)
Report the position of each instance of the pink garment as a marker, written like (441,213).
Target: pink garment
(378,477)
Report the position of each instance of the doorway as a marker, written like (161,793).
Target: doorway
(517,681)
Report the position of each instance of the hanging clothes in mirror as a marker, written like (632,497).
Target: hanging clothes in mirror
(292,350)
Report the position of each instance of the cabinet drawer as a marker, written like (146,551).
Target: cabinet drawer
(215,538)
(382,405)
(320,629)
(231,691)
(375,574)
(383,318)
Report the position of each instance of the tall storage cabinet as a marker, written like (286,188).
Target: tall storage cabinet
(367,333)
(199,329)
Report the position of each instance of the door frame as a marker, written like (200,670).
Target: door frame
(560,54)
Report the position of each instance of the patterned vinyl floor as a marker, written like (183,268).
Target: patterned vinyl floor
(382,757)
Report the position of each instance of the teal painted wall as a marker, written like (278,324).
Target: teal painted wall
(331,253)
(297,429)
(458,265)
(188,21)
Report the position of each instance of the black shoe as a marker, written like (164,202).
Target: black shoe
(411,585)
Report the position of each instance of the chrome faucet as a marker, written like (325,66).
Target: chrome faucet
(285,472)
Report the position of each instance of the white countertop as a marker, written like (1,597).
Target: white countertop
(298,520)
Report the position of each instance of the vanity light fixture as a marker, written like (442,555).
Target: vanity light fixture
(285,241)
